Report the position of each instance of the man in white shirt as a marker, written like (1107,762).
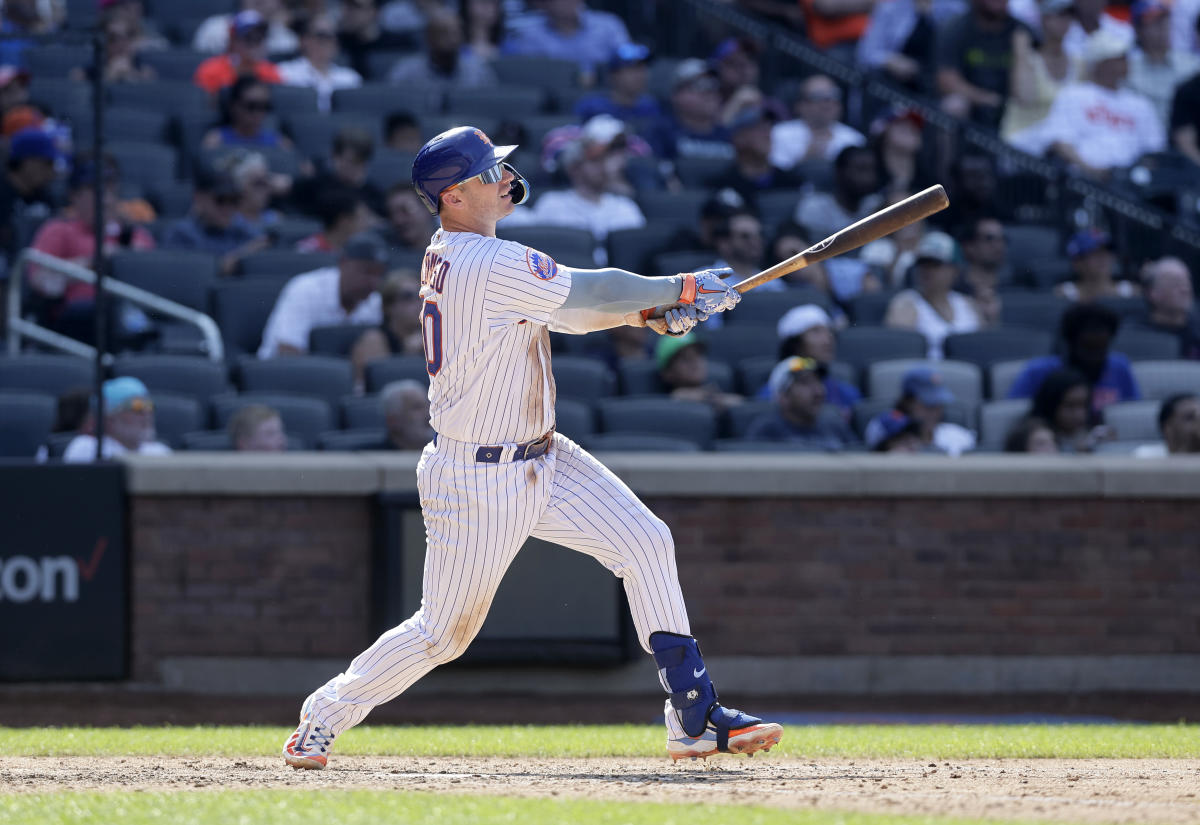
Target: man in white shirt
(128,424)
(344,294)
(816,133)
(1098,124)
(213,35)
(315,68)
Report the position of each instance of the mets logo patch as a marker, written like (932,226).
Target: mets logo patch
(479,134)
(541,264)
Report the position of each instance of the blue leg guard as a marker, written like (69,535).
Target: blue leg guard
(685,677)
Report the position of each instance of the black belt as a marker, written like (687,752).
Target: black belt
(522,452)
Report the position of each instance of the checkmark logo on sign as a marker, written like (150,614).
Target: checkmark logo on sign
(88,568)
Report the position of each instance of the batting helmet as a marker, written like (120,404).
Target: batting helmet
(457,155)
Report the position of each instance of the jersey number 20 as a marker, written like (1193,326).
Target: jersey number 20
(431,336)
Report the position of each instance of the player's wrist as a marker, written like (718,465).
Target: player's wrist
(687,291)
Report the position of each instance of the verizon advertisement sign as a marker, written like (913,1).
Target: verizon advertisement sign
(63,590)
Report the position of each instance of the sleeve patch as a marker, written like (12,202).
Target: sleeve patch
(541,264)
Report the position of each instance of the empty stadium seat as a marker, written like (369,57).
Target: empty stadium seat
(241,309)
(689,420)
(1126,306)
(633,249)
(1146,344)
(313,134)
(1001,376)
(388,168)
(303,418)
(373,99)
(742,445)
(961,378)
(1161,379)
(574,419)
(687,260)
(766,308)
(144,163)
(436,124)
(566,245)
(199,378)
(496,101)
(176,414)
(26,419)
(362,412)
(742,416)
(584,379)
(166,96)
(1134,420)
(383,371)
(862,346)
(288,100)
(123,123)
(733,344)
(639,443)
(699,173)
(337,340)
(179,276)
(680,210)
(987,346)
(284,263)
(315,376)
(173,64)
(64,98)
(996,418)
(1028,241)
(206,441)
(352,439)
(49,374)
(870,308)
(1032,309)
(558,76)
(56,61)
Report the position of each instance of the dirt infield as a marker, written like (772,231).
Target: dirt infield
(1158,791)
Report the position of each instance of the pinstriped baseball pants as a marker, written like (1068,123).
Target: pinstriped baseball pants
(477,516)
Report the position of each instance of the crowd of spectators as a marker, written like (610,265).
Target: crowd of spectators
(694,160)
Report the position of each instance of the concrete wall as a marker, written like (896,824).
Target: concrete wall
(859,574)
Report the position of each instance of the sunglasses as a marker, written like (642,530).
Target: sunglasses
(137,405)
(256,105)
(493,175)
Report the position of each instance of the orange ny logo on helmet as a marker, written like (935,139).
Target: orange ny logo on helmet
(483,137)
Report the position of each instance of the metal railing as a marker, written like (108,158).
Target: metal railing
(20,328)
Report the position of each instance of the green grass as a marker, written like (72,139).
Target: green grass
(383,807)
(820,741)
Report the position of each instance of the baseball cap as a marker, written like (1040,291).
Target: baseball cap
(689,70)
(32,143)
(926,386)
(752,116)
(365,246)
(1149,9)
(799,320)
(887,426)
(1056,6)
(879,125)
(121,393)
(246,21)
(937,246)
(10,73)
(1087,240)
(781,376)
(733,44)
(628,54)
(723,202)
(19,118)
(669,346)
(1103,44)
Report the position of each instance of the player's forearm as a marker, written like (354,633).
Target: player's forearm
(617,292)
(582,321)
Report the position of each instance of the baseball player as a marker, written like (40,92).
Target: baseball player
(496,472)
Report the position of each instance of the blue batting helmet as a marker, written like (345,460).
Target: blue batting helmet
(457,155)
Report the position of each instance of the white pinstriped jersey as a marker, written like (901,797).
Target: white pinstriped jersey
(487,304)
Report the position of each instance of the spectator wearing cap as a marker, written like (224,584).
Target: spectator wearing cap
(215,35)
(1099,124)
(568,30)
(933,308)
(246,56)
(343,215)
(1039,71)
(855,194)
(1031,435)
(68,305)
(26,195)
(683,369)
(214,226)
(1179,423)
(899,146)
(751,171)
(735,64)
(1086,333)
(122,56)
(985,266)
(693,129)
(807,332)
(900,39)
(244,122)
(444,64)
(316,67)
(344,294)
(894,432)
(626,96)
(1093,268)
(1156,69)
(257,428)
(128,425)
(816,132)
(923,399)
(801,416)
(14,87)
(349,161)
(1062,401)
(974,56)
(1091,17)
(1170,304)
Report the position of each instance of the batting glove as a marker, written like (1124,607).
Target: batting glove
(675,320)
(707,292)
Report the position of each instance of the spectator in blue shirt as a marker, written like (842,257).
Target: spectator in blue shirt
(693,129)
(1086,333)
(567,30)
(797,385)
(627,97)
(214,225)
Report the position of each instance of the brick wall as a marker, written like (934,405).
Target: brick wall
(288,576)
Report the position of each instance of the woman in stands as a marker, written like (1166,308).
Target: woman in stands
(1064,402)
(255,185)
(400,332)
(244,119)
(483,27)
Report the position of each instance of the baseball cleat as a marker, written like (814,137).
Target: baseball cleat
(746,734)
(309,746)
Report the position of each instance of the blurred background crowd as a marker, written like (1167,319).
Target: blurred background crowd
(256,169)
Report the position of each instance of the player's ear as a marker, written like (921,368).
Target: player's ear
(451,197)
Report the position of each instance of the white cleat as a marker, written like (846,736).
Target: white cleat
(308,748)
(747,735)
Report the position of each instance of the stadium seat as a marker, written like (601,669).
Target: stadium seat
(122,123)
(776,207)
(996,418)
(679,210)
(303,418)
(383,371)
(362,412)
(633,249)
(641,377)
(314,376)
(558,76)
(1027,242)
(688,260)
(742,445)
(733,344)
(1042,275)
(284,263)
(56,444)
(167,96)
(380,62)
(292,229)
(49,374)
(64,97)
(583,379)
(313,134)
(436,124)
(1162,379)
(699,173)
(144,163)
(1146,345)
(957,413)
(56,61)
(206,441)
(753,373)
(742,416)
(176,414)
(965,380)
(862,346)
(1127,307)
(689,420)
(987,346)
(1122,447)
(388,168)
(173,64)
(507,102)
(336,341)
(639,443)
(574,419)
(352,439)
(199,378)
(179,276)
(566,245)
(374,99)
(241,309)
(289,100)
(1134,420)
(766,308)
(172,199)
(26,419)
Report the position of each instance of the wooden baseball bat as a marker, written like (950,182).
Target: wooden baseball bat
(874,226)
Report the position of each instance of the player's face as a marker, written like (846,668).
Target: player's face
(488,200)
